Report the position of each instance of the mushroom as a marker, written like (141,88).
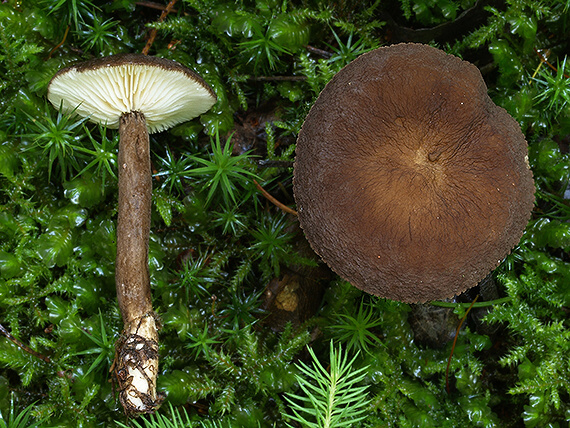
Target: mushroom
(137,94)
(410,182)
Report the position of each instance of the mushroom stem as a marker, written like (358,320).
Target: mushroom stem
(158,93)
(133,226)
(136,361)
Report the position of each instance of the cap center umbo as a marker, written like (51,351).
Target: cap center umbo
(428,157)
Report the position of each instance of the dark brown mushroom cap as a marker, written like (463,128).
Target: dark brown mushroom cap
(410,182)
(103,89)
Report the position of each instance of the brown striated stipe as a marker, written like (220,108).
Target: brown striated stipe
(133,223)
(136,362)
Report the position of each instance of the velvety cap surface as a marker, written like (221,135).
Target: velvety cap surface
(410,182)
(103,89)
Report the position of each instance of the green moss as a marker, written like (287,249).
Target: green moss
(216,243)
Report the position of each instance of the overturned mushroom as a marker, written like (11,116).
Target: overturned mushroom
(138,95)
(410,182)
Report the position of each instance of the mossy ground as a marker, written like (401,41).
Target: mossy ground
(218,246)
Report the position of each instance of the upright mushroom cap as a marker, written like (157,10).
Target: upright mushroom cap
(410,182)
(103,89)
